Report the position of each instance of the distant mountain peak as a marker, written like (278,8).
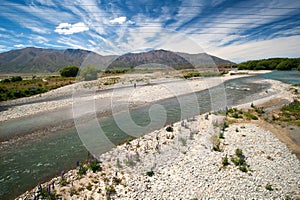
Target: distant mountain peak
(40,60)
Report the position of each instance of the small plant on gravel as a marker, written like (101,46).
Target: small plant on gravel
(216,143)
(225,125)
(110,190)
(89,187)
(63,182)
(238,161)
(216,148)
(116,180)
(238,152)
(129,140)
(251,116)
(150,173)
(169,129)
(95,165)
(221,135)
(45,193)
(243,168)
(259,110)
(225,161)
(269,187)
(82,170)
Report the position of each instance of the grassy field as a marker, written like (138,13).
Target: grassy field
(14,87)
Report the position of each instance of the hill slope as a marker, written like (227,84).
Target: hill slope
(168,58)
(38,60)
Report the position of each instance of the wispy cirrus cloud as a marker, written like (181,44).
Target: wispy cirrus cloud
(117,27)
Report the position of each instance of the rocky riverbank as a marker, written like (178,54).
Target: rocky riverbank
(179,162)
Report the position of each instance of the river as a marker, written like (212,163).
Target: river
(30,159)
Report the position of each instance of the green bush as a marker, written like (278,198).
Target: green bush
(82,170)
(225,161)
(16,78)
(269,187)
(221,135)
(238,152)
(95,165)
(150,173)
(169,129)
(243,168)
(111,190)
(216,147)
(251,116)
(63,182)
(238,161)
(70,71)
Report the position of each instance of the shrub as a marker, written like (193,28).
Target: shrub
(238,152)
(82,170)
(216,147)
(251,116)
(63,182)
(238,161)
(129,140)
(269,187)
(70,71)
(243,168)
(150,173)
(95,165)
(110,190)
(16,78)
(225,161)
(221,135)
(116,180)
(169,129)
(225,125)
(89,187)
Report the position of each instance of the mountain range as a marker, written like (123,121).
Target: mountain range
(39,60)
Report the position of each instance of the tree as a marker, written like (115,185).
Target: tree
(286,65)
(16,78)
(70,71)
(89,73)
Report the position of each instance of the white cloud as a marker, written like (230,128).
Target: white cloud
(68,29)
(19,45)
(118,20)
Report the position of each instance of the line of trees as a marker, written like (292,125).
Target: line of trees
(271,64)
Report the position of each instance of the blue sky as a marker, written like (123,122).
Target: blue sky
(238,30)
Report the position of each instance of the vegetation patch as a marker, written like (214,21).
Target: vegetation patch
(169,129)
(271,64)
(291,113)
(16,87)
(150,173)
